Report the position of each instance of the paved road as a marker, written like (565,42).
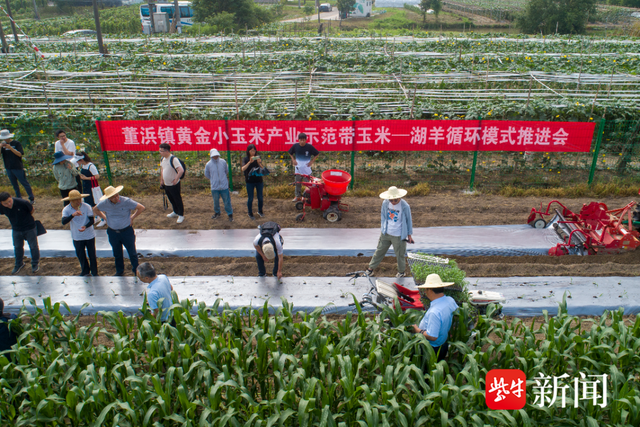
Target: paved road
(325,16)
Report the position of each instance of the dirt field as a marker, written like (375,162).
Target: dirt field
(429,211)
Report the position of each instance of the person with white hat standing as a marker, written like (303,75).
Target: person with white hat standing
(80,218)
(12,153)
(217,172)
(436,323)
(396,229)
(119,212)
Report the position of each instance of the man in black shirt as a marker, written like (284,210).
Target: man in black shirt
(12,153)
(7,335)
(23,225)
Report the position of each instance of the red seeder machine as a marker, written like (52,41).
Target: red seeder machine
(325,194)
(595,230)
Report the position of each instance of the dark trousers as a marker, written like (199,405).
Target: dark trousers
(16,175)
(127,238)
(18,246)
(261,269)
(443,349)
(65,193)
(92,264)
(258,186)
(173,194)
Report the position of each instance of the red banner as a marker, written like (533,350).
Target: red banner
(377,135)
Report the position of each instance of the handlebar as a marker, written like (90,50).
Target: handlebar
(356,274)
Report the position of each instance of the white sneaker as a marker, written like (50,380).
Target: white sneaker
(101,223)
(180,219)
(172,215)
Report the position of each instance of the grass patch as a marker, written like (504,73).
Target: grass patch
(421,189)
(610,189)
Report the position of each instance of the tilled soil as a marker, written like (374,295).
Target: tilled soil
(428,211)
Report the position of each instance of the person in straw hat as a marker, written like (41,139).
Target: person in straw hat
(12,153)
(395,229)
(119,212)
(436,323)
(80,218)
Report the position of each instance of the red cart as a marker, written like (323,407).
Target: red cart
(325,194)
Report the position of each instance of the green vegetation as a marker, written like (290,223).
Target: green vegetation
(556,16)
(246,367)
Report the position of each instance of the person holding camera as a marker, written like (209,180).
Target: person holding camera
(12,153)
(251,161)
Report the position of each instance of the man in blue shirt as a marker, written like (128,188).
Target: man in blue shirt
(159,287)
(119,212)
(436,322)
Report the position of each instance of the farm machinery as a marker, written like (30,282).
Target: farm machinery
(596,229)
(325,194)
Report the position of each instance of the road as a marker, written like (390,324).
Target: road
(325,16)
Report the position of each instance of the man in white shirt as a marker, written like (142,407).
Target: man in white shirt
(268,244)
(80,218)
(171,171)
(67,146)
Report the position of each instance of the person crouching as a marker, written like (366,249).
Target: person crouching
(436,323)
(79,216)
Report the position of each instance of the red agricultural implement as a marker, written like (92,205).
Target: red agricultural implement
(595,230)
(325,194)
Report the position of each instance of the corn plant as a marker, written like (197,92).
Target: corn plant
(278,367)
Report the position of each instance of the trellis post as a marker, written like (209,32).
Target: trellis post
(106,164)
(596,151)
(475,162)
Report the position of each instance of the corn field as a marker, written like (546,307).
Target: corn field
(247,367)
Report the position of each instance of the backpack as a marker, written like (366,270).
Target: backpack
(184,166)
(267,231)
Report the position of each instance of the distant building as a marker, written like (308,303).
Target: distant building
(363,8)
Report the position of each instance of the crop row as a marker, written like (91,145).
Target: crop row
(512,45)
(336,62)
(247,367)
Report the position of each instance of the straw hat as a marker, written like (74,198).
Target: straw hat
(59,156)
(267,249)
(434,281)
(110,192)
(214,153)
(5,134)
(74,195)
(393,193)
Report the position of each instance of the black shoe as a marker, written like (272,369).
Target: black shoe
(119,274)
(84,274)
(33,202)
(35,268)
(252,217)
(215,216)
(17,269)
(230,218)
(260,214)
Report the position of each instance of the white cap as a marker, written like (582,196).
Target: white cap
(267,249)
(213,153)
